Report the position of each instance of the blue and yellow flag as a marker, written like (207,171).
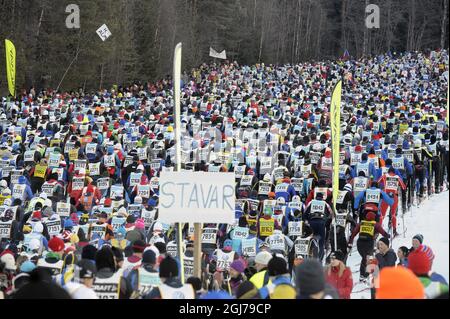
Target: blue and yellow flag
(335,117)
(11,66)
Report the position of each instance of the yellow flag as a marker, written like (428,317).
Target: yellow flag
(11,66)
(335,117)
(448,95)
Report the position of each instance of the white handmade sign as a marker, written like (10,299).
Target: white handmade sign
(196,197)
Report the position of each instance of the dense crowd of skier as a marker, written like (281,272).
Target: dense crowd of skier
(80,173)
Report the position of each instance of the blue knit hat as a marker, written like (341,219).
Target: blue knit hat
(27,266)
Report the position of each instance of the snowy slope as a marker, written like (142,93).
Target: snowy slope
(431,220)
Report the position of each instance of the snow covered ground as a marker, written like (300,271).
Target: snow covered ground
(431,220)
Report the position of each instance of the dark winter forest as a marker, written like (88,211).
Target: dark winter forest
(145,32)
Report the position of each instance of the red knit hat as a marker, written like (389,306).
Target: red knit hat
(37,214)
(419,263)
(108,202)
(358,148)
(370,216)
(56,244)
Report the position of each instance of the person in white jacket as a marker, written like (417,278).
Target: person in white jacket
(85,277)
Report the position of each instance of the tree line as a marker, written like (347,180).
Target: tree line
(144,34)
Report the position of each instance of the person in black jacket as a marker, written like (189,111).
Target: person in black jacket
(386,256)
(106,268)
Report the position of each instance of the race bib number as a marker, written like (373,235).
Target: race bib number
(5,230)
(77,183)
(398,163)
(109,160)
(246,180)
(116,191)
(409,155)
(391,183)
(15,174)
(372,196)
(18,191)
(40,170)
(91,148)
(327,163)
(155,165)
(54,227)
(360,184)
(278,173)
(53,160)
(29,156)
(63,209)
(143,191)
(73,154)
(103,183)
(340,197)
(266,227)
(135,179)
(240,232)
(68,147)
(297,183)
(341,220)
(355,158)
(281,188)
(209,235)
(276,242)
(47,189)
(264,188)
(317,207)
(117,222)
(306,170)
(295,228)
(128,160)
(154,183)
(94,169)
(301,247)
(266,165)
(249,247)
(80,164)
(142,153)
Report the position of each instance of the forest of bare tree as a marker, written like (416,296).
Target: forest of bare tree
(144,34)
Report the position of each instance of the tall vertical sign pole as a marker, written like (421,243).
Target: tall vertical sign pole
(177,111)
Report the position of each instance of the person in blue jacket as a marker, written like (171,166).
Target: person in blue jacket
(364,165)
(361,200)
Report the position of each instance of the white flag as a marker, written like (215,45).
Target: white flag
(103,32)
(213,53)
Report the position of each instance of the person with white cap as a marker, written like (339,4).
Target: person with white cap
(7,272)
(81,286)
(261,278)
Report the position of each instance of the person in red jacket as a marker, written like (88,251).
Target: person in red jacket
(391,182)
(339,275)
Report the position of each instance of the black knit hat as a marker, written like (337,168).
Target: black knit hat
(310,278)
(168,268)
(419,237)
(339,255)
(161,247)
(105,258)
(385,241)
(149,257)
(277,266)
(88,252)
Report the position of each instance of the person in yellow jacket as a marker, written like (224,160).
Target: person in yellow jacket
(261,278)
